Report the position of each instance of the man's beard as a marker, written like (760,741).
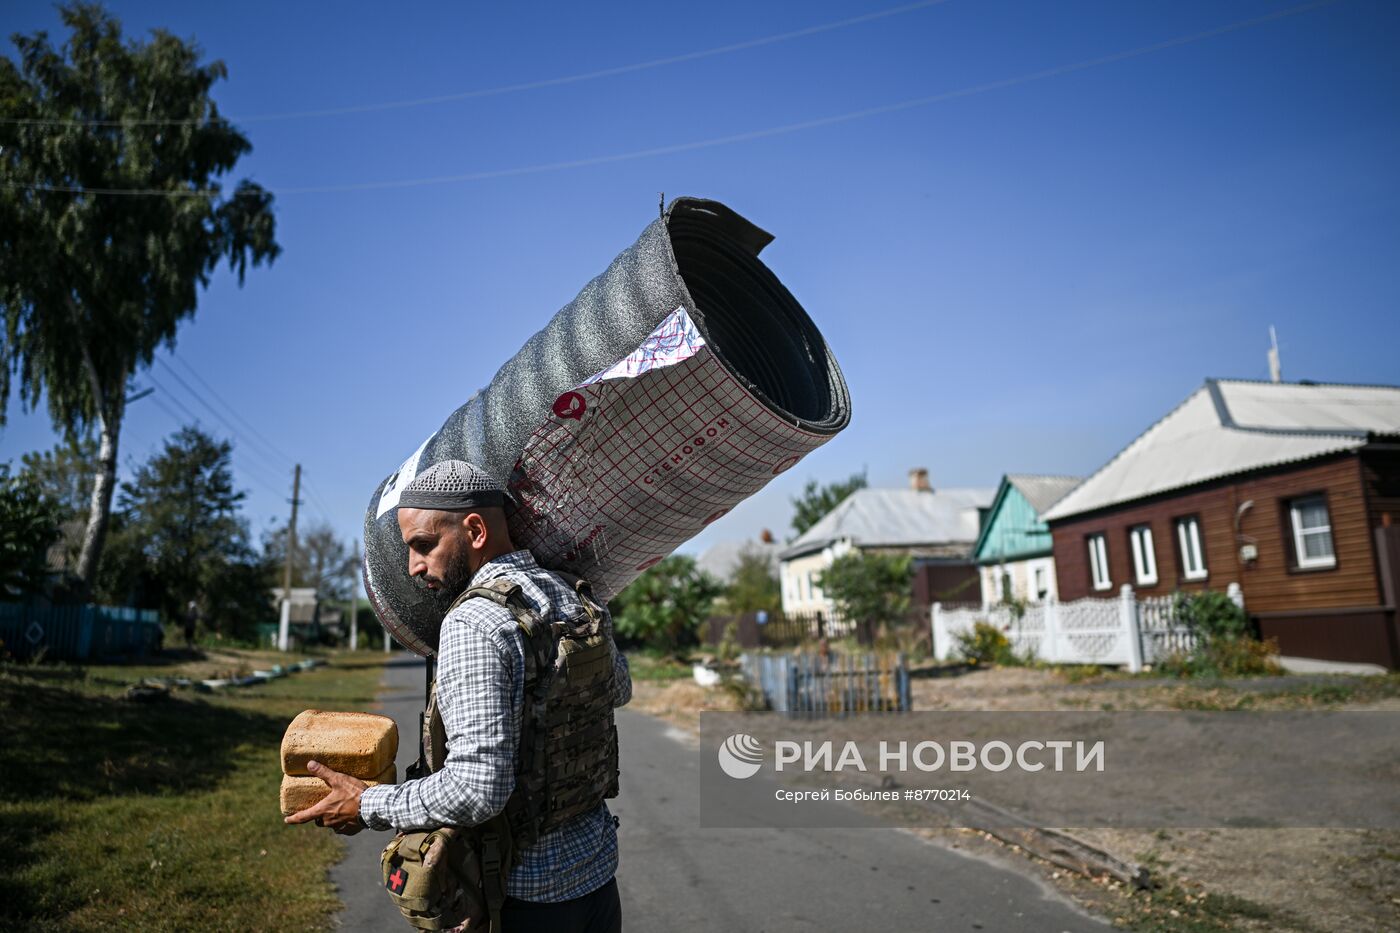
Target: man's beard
(456,575)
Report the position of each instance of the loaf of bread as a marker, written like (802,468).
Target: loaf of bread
(300,792)
(361,745)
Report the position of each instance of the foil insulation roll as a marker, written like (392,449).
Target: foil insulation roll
(677,384)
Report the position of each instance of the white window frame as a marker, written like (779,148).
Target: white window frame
(1193,556)
(1300,553)
(1144,555)
(1040,583)
(1098,562)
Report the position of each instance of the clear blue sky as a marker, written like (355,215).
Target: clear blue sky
(1018,279)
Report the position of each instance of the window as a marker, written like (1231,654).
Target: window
(1098,562)
(1188,539)
(1144,556)
(1312,533)
(1042,584)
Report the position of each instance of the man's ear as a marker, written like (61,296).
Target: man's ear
(475,527)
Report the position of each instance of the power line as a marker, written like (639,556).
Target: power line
(751,135)
(232,410)
(317,502)
(244,468)
(159,400)
(228,424)
(508,88)
(269,460)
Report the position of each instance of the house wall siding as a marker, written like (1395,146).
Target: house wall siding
(1380,471)
(1015,532)
(1269,583)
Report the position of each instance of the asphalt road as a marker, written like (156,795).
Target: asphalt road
(678,878)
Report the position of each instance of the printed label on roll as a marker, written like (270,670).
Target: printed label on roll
(394,488)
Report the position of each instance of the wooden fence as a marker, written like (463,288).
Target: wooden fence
(769,630)
(830,685)
(78,632)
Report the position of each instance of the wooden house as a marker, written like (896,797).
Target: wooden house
(1014,551)
(1290,490)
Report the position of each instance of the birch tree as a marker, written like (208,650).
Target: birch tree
(114,218)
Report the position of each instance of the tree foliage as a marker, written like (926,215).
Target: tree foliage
(817,500)
(93,283)
(322,560)
(29,524)
(868,587)
(180,537)
(65,473)
(665,607)
(753,587)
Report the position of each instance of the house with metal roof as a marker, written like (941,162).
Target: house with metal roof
(1014,551)
(722,558)
(1291,490)
(936,527)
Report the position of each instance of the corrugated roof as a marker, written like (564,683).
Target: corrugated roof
(1233,426)
(1042,491)
(898,518)
(722,559)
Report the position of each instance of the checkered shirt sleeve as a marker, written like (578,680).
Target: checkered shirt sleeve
(480,693)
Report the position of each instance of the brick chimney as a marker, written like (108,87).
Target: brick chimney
(766,536)
(918,480)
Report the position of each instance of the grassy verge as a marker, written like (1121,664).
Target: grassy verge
(117,815)
(659,668)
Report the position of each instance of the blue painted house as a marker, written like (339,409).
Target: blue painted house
(1014,552)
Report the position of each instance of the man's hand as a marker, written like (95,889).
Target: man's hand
(340,809)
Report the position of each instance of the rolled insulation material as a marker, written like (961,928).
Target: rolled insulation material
(676,385)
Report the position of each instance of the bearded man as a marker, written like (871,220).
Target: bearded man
(453,520)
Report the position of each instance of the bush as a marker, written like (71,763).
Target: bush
(1212,615)
(870,588)
(1225,645)
(986,644)
(665,607)
(1225,657)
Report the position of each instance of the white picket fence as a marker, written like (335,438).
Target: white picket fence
(1127,630)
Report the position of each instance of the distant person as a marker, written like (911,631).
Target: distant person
(192,617)
(562,875)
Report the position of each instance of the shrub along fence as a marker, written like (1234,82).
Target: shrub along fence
(78,632)
(1127,630)
(830,685)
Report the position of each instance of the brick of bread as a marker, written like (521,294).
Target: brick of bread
(361,745)
(300,792)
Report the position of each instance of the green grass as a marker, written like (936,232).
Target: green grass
(1334,691)
(117,815)
(1173,910)
(646,665)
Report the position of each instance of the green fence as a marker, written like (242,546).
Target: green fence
(77,633)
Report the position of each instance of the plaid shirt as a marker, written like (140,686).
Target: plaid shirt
(480,693)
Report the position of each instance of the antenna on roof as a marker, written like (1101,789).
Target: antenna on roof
(1275,368)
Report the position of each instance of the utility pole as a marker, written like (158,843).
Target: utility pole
(283,635)
(1275,366)
(354,593)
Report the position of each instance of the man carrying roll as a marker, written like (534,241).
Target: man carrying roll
(453,521)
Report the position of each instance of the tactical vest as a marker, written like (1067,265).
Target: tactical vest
(566,765)
(567,760)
